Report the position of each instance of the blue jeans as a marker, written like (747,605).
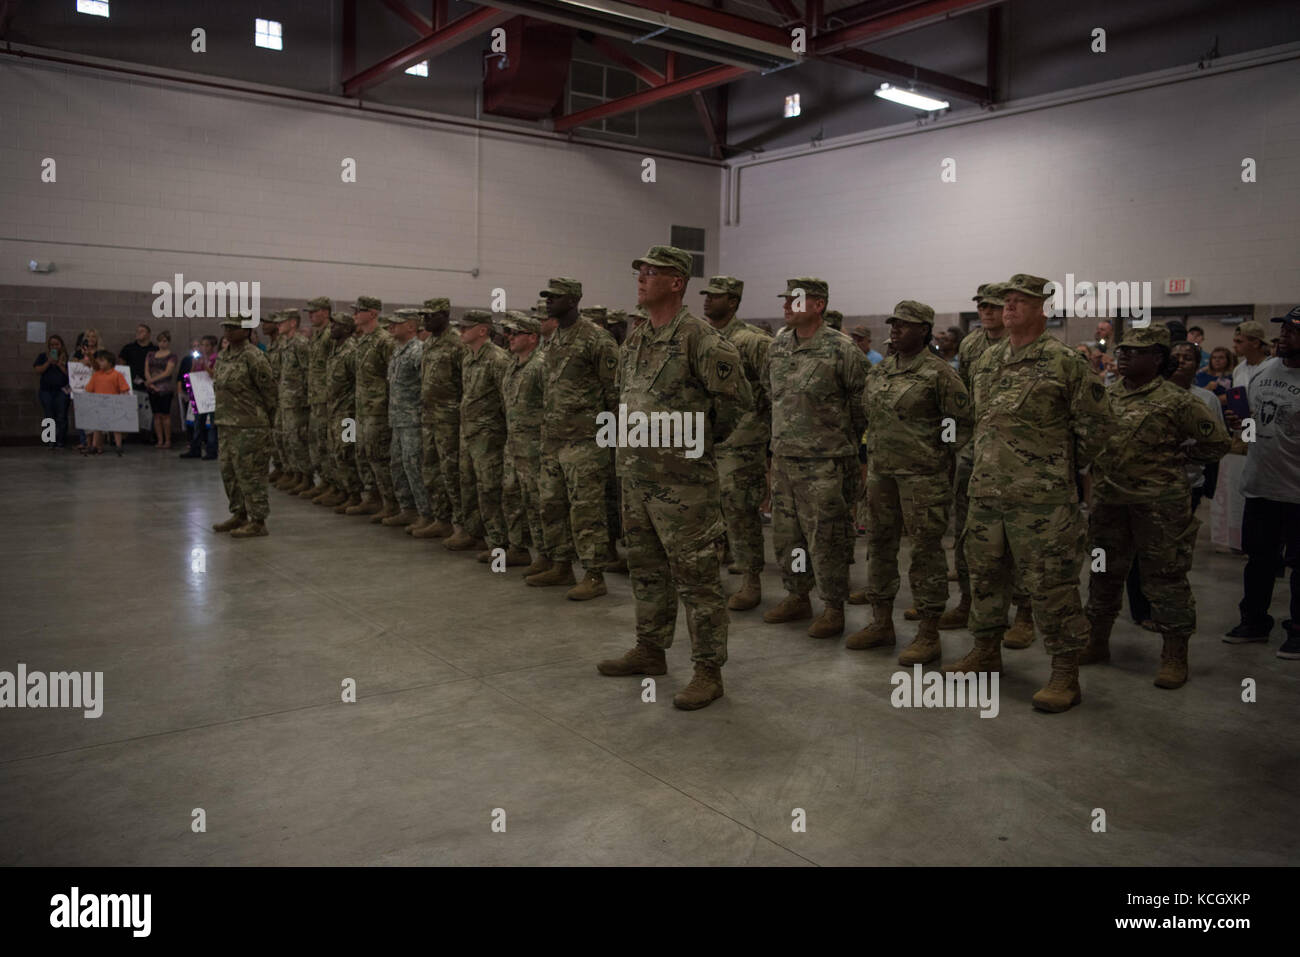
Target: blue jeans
(55,404)
(204,432)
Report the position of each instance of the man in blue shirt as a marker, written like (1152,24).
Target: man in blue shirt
(862,336)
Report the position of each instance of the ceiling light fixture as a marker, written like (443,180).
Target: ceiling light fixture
(910,98)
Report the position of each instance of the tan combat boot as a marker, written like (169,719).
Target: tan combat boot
(351,502)
(985,655)
(911,614)
(389,510)
(560,573)
(329,499)
(925,647)
(437,529)
(462,541)
(1173,662)
(956,617)
(1061,693)
(368,505)
(791,608)
(704,689)
(422,522)
(518,558)
(879,633)
(289,481)
(1097,651)
(230,524)
(540,564)
(250,530)
(858,597)
(310,489)
(750,594)
(644,659)
(1021,632)
(303,484)
(591,586)
(407,516)
(829,624)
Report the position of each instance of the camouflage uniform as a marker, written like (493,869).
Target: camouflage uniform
(578,371)
(1040,415)
(483,433)
(293,416)
(816,385)
(672,516)
(909,464)
(273,355)
(974,345)
(1141,503)
(374,437)
(318,353)
(440,393)
(341,377)
(405,451)
(522,394)
(246,398)
(742,458)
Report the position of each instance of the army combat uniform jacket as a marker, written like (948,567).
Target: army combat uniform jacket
(816,387)
(907,401)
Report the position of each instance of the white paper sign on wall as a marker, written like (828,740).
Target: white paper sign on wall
(35,332)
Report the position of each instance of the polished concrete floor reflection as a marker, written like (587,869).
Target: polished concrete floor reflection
(223,671)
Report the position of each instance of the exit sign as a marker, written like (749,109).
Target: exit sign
(1178,287)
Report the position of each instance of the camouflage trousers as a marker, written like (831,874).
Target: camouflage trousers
(318,435)
(291,427)
(404,456)
(672,533)
(811,518)
(374,444)
(343,456)
(961,503)
(276,460)
(243,454)
(1044,543)
(1160,536)
(919,504)
(575,521)
(742,478)
(482,476)
(523,508)
(440,470)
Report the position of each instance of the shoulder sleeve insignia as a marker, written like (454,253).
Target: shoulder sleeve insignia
(1098,391)
(960,399)
(724,370)
(1205,427)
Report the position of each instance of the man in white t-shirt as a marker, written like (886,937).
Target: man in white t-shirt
(1270,524)
(1250,341)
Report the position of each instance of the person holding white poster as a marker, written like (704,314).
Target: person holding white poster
(106,380)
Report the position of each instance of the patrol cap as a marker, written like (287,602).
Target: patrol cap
(834,318)
(234,321)
(1152,335)
(517,321)
(724,286)
(909,310)
(989,292)
(1254,330)
(474,317)
(284,315)
(860,332)
(562,286)
(1024,283)
(539,309)
(596,314)
(666,257)
(320,302)
(615,316)
(811,286)
(368,302)
(437,304)
(344,319)
(404,315)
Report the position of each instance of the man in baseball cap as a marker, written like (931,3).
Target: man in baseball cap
(1249,341)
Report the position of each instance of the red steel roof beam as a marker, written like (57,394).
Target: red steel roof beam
(453,35)
(703,80)
(874,28)
(422,26)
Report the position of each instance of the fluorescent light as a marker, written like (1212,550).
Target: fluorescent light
(792,105)
(910,98)
(420,69)
(96,8)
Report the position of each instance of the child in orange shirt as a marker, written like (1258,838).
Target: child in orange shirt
(106,380)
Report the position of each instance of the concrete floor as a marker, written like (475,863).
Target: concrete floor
(475,692)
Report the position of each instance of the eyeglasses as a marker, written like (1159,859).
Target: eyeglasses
(649,272)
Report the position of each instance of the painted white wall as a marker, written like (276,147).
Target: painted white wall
(1144,185)
(146,163)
